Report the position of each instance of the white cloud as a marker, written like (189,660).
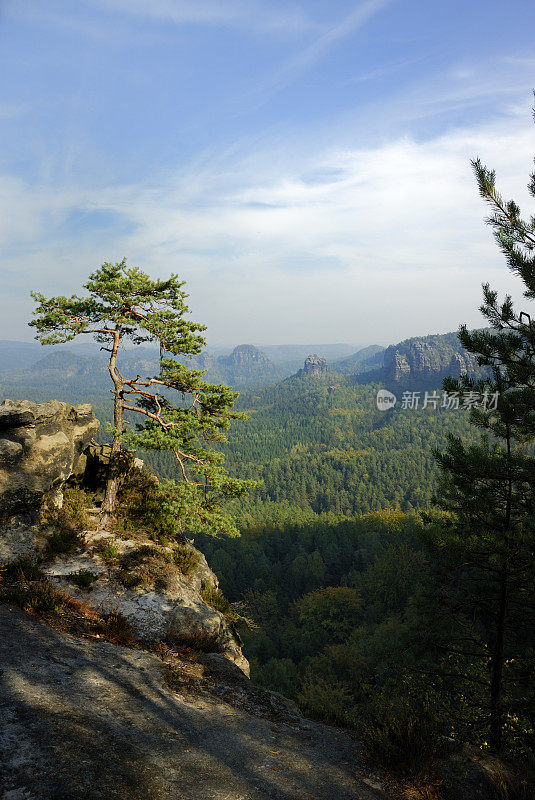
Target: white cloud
(358,244)
(250,13)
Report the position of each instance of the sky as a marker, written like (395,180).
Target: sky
(303,166)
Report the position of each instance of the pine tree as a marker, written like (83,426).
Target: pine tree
(124,304)
(484,600)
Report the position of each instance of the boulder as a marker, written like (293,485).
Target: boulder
(40,445)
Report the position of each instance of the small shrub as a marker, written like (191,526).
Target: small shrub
(72,516)
(116,628)
(215,598)
(186,559)
(63,541)
(146,566)
(38,597)
(133,558)
(108,552)
(69,613)
(406,735)
(198,641)
(141,508)
(24,568)
(83,578)
(328,701)
(68,522)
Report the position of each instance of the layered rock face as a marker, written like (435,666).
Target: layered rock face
(420,359)
(41,447)
(143,582)
(40,444)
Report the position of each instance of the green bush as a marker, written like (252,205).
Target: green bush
(24,568)
(404,733)
(72,516)
(83,578)
(325,700)
(186,559)
(215,598)
(116,628)
(147,566)
(108,552)
(141,508)
(38,597)
(198,641)
(68,522)
(63,541)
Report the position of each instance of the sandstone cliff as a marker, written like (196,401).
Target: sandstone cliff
(40,445)
(164,592)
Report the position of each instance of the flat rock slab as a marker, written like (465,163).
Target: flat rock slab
(91,720)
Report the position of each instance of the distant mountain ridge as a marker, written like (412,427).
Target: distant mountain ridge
(23,363)
(414,361)
(421,360)
(429,355)
(246,355)
(364,360)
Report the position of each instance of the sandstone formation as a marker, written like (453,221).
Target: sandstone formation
(40,444)
(41,447)
(89,720)
(159,601)
(314,366)
(427,357)
(246,355)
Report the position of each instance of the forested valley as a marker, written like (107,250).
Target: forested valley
(378,562)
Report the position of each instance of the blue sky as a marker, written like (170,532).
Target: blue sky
(304,166)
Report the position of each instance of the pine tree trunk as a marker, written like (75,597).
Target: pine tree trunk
(497,656)
(496,717)
(110,498)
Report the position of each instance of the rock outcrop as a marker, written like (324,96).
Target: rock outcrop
(143,581)
(314,366)
(40,447)
(419,359)
(40,444)
(89,720)
(163,591)
(246,355)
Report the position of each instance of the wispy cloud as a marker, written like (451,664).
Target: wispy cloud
(251,13)
(385,69)
(304,60)
(375,246)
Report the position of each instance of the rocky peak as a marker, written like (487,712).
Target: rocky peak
(245,355)
(314,365)
(427,357)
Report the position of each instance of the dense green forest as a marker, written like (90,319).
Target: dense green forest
(326,447)
(332,605)
(317,443)
(335,583)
